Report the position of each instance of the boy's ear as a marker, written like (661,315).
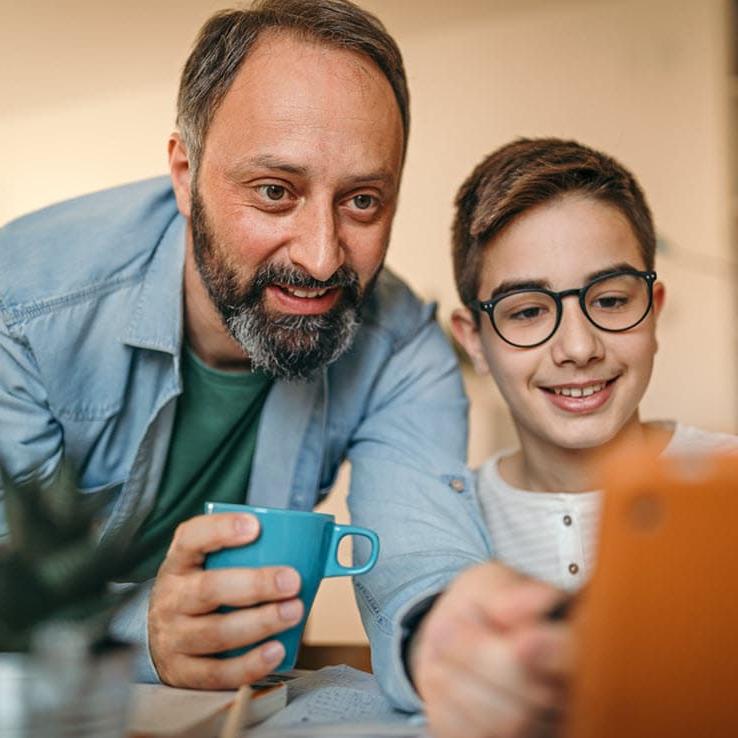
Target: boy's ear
(179,170)
(466,332)
(659,295)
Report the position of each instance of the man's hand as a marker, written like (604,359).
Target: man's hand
(185,628)
(487,661)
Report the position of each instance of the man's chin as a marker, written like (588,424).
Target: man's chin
(293,346)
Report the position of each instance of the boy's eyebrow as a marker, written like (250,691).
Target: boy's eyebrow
(526,284)
(622,266)
(544,284)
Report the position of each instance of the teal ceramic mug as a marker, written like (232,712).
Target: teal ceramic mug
(306,541)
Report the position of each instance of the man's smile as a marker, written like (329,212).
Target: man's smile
(301,300)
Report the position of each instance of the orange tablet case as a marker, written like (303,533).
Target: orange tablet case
(658,623)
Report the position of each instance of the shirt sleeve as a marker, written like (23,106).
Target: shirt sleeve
(31,441)
(410,484)
(130,625)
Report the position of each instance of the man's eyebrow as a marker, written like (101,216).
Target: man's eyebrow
(243,167)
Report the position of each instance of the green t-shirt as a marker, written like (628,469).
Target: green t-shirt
(209,457)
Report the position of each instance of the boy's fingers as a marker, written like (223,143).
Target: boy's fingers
(546,650)
(503,596)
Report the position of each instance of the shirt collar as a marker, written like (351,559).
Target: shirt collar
(156,321)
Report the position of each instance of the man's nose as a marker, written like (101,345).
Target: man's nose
(316,245)
(577,340)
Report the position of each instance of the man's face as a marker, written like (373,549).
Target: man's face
(562,244)
(294,199)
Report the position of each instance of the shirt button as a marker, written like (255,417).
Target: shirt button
(567,519)
(456,484)
(573,569)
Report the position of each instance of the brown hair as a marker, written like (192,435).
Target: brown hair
(227,37)
(526,173)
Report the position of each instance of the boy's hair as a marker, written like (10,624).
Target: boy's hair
(526,173)
(226,39)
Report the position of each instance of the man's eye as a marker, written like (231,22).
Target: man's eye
(363,202)
(273,192)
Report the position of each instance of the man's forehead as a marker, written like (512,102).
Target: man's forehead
(293,100)
(280,50)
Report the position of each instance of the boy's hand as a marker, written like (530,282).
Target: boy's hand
(185,629)
(488,662)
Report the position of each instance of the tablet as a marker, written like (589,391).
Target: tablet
(657,626)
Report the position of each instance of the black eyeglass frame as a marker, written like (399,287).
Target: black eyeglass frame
(488,306)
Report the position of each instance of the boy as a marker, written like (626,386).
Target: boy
(553,247)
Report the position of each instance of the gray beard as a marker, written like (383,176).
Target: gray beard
(282,346)
(293,346)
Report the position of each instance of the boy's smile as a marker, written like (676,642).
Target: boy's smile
(581,388)
(581,398)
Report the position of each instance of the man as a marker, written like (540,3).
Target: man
(231,335)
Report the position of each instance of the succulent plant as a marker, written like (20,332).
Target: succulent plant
(52,565)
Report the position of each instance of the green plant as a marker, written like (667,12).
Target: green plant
(52,565)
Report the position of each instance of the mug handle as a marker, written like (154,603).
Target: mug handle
(333,568)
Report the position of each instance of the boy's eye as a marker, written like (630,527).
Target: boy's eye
(610,302)
(524,308)
(529,313)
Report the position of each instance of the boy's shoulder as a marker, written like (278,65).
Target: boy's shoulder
(688,439)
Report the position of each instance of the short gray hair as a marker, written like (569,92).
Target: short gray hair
(227,37)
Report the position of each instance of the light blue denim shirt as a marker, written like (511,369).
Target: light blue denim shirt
(91,326)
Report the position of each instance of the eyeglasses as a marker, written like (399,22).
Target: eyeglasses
(613,302)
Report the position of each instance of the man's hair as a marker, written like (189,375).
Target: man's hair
(526,173)
(227,37)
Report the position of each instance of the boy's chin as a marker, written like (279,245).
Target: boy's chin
(576,435)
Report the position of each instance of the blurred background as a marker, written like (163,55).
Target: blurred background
(88,100)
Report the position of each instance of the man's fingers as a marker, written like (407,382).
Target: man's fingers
(211,634)
(230,673)
(204,591)
(204,534)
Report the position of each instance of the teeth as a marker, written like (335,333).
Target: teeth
(579,391)
(305,293)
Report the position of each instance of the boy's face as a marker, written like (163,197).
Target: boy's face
(562,244)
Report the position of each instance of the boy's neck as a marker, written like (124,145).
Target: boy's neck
(540,467)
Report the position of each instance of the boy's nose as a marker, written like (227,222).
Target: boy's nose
(576,341)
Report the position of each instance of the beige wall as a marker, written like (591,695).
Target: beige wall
(87,92)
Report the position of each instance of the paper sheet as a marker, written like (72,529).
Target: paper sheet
(338,701)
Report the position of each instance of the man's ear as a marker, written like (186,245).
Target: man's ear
(180,172)
(465,330)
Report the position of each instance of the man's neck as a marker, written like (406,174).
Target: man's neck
(206,334)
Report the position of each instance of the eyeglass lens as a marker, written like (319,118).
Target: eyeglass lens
(613,304)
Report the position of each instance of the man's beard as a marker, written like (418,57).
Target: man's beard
(282,345)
